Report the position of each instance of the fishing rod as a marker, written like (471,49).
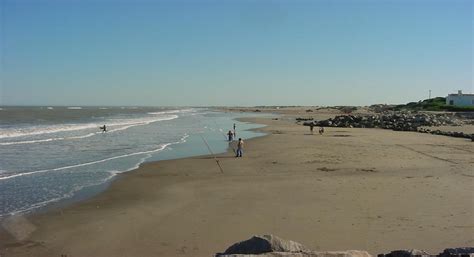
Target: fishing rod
(215,158)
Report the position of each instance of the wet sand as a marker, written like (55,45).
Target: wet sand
(367,189)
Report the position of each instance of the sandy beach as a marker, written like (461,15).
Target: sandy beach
(367,189)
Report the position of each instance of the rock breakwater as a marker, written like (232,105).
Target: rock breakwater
(398,121)
(273,246)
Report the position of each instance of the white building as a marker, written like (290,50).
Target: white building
(460,99)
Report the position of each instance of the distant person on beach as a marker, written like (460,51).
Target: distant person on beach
(104,128)
(235,134)
(231,135)
(311,127)
(321,130)
(240,148)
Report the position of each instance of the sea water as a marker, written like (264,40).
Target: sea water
(50,154)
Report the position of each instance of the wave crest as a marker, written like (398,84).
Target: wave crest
(113,125)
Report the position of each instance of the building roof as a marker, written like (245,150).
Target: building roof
(460,94)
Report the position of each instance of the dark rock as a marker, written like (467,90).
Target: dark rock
(303,119)
(458,252)
(272,246)
(396,121)
(406,253)
(264,244)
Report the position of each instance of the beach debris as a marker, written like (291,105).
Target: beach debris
(270,245)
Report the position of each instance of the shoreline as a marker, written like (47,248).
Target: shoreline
(90,192)
(339,191)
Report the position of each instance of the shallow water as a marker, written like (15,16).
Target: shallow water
(49,154)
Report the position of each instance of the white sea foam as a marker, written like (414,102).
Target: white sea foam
(173,111)
(48,139)
(137,122)
(84,136)
(49,108)
(162,146)
(113,124)
(39,130)
(74,108)
(31,207)
(83,164)
(75,189)
(32,141)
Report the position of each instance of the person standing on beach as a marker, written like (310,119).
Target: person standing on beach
(311,127)
(230,135)
(240,148)
(321,130)
(235,134)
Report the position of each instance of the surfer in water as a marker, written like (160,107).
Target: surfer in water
(104,128)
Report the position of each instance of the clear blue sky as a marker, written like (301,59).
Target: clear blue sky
(226,52)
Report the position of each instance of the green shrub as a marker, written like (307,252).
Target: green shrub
(433,104)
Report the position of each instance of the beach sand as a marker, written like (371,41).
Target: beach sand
(368,189)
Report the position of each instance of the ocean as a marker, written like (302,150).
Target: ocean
(51,155)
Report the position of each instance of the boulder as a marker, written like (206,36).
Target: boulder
(395,121)
(303,119)
(349,253)
(272,246)
(406,253)
(264,244)
(458,252)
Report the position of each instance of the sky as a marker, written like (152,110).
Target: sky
(233,52)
